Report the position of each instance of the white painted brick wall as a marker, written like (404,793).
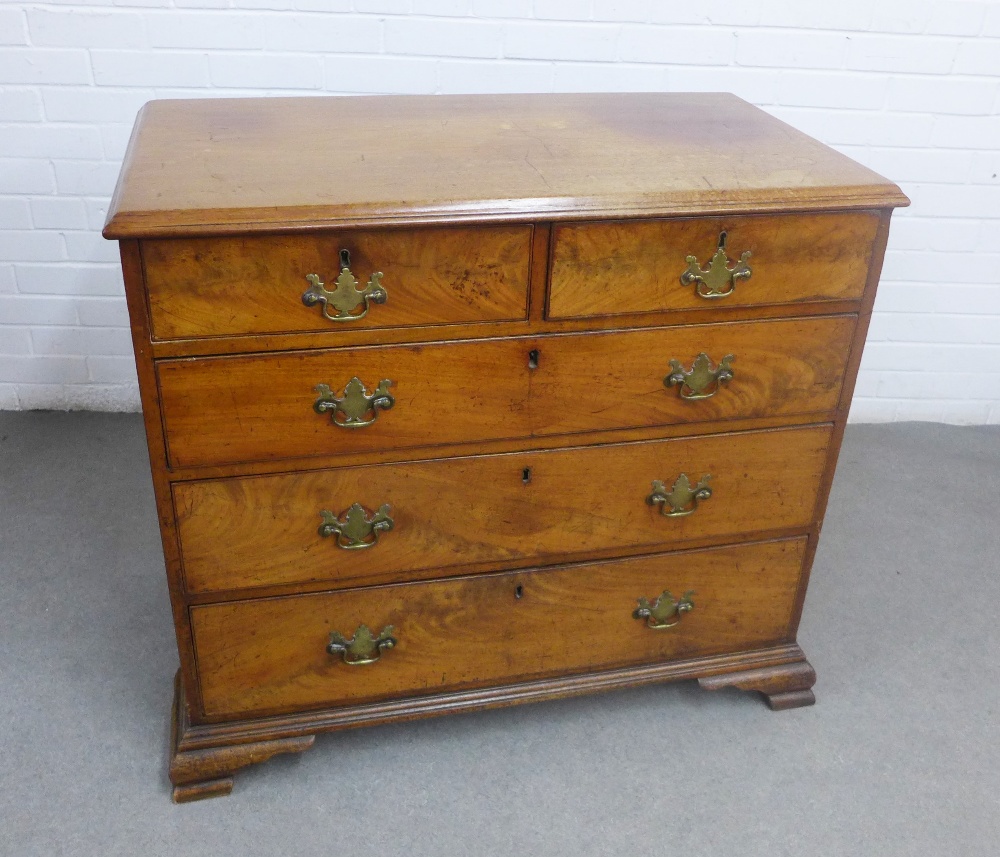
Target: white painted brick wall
(909,87)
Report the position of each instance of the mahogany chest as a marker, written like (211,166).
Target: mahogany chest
(458,402)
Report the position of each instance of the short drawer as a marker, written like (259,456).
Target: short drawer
(271,655)
(621,267)
(435,518)
(238,409)
(201,287)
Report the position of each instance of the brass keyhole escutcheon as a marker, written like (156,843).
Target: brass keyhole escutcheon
(533,356)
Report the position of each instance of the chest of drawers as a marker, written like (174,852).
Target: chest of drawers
(458,402)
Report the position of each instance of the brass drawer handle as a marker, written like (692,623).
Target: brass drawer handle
(363,648)
(356,408)
(666,611)
(682,499)
(701,381)
(354,529)
(717,280)
(346,297)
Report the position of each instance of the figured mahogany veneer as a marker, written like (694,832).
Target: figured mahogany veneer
(241,409)
(262,530)
(219,286)
(794,259)
(269,656)
(552,371)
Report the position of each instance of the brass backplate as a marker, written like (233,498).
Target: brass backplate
(345,297)
(682,498)
(364,647)
(719,279)
(701,381)
(666,611)
(354,529)
(355,409)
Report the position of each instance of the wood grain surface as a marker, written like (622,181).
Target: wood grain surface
(454,513)
(269,655)
(211,166)
(244,409)
(613,268)
(602,381)
(531,247)
(241,285)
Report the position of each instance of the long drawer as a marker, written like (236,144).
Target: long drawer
(271,655)
(621,267)
(240,409)
(245,285)
(440,517)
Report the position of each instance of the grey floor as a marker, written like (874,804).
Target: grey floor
(901,755)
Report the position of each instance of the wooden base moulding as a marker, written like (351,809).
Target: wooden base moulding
(204,757)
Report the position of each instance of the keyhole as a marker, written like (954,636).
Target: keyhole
(518,591)
(722,240)
(526,475)
(533,358)
(345,259)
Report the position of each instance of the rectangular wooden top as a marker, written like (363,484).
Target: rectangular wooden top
(218,166)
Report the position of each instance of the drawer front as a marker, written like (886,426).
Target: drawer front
(641,378)
(230,286)
(236,409)
(614,268)
(519,507)
(270,656)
